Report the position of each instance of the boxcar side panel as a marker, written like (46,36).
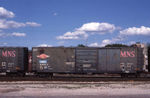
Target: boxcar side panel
(109,60)
(102,61)
(128,62)
(140,60)
(54,59)
(113,61)
(86,60)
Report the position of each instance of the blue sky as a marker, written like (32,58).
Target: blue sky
(72,22)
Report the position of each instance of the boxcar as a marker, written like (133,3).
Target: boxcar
(87,60)
(53,60)
(13,59)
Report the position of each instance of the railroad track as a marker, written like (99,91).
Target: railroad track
(75,79)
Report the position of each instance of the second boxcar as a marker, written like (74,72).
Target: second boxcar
(124,60)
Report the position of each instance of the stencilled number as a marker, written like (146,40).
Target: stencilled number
(4,64)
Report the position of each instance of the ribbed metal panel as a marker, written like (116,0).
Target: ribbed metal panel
(113,60)
(102,61)
(109,60)
(86,60)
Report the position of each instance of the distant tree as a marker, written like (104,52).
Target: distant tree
(138,42)
(116,45)
(81,45)
(133,45)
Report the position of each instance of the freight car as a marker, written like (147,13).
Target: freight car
(49,60)
(13,60)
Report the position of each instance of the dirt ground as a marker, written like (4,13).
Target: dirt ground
(41,89)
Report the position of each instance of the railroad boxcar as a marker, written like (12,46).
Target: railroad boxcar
(47,60)
(125,60)
(13,60)
(120,60)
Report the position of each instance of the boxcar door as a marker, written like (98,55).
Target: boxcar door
(86,60)
(102,62)
(113,60)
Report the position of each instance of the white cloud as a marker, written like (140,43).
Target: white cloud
(15,34)
(131,42)
(73,35)
(33,24)
(61,42)
(44,45)
(103,43)
(85,29)
(136,31)
(106,42)
(5,13)
(94,45)
(18,34)
(3,43)
(117,39)
(5,24)
(96,27)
